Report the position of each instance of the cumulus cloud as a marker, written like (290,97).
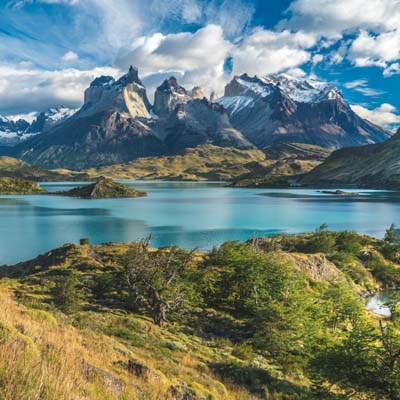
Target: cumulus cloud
(198,56)
(23,90)
(266,51)
(385,115)
(370,50)
(70,56)
(333,18)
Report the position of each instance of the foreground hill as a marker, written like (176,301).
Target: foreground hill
(276,318)
(283,109)
(372,166)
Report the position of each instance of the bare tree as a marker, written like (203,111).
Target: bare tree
(155,279)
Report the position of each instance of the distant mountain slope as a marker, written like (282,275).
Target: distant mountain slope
(13,168)
(283,161)
(283,109)
(206,162)
(13,132)
(50,118)
(374,166)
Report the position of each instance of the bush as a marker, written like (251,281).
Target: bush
(67,295)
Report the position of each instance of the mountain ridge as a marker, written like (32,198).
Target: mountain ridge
(117,123)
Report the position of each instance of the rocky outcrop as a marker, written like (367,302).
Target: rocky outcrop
(103,189)
(126,96)
(168,95)
(282,109)
(200,122)
(316,266)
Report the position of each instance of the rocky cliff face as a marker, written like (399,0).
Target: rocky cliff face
(168,95)
(200,122)
(283,109)
(126,95)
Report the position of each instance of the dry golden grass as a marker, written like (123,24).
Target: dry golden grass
(43,357)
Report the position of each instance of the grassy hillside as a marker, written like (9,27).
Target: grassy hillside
(199,163)
(219,163)
(274,318)
(19,186)
(14,168)
(372,166)
(285,163)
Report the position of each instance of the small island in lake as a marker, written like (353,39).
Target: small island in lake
(103,189)
(11,186)
(339,192)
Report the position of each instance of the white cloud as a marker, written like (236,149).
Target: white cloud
(198,56)
(333,18)
(70,56)
(370,50)
(21,3)
(29,117)
(374,23)
(385,115)
(356,83)
(392,69)
(23,90)
(361,86)
(265,51)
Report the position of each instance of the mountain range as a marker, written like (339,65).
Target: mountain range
(117,123)
(14,132)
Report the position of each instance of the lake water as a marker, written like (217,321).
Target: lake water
(190,215)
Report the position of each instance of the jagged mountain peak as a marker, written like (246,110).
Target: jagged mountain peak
(126,95)
(131,77)
(50,118)
(300,90)
(168,95)
(282,108)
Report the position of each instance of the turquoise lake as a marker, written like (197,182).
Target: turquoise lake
(191,215)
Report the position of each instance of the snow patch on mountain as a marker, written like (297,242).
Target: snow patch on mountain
(297,89)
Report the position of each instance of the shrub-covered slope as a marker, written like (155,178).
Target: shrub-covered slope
(277,318)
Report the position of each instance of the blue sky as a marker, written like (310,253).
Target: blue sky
(51,49)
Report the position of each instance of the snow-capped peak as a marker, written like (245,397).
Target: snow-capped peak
(300,90)
(59,113)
